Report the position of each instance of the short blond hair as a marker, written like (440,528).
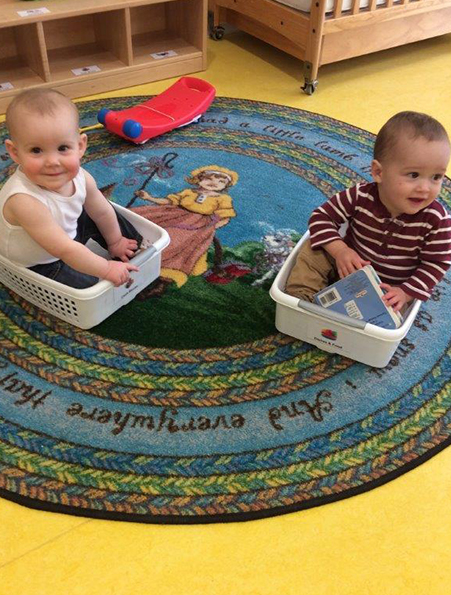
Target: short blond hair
(41,102)
(415,124)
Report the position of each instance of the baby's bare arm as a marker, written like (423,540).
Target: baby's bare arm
(35,218)
(102,212)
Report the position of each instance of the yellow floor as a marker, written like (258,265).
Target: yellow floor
(395,540)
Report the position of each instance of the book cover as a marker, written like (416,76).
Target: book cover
(358,295)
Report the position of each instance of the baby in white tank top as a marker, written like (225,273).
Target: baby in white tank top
(43,202)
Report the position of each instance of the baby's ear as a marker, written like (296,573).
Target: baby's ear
(376,171)
(10,147)
(82,144)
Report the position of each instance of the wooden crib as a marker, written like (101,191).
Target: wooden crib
(319,37)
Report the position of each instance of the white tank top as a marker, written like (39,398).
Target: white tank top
(15,243)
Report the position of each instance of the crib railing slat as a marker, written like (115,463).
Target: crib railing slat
(338,7)
(373,6)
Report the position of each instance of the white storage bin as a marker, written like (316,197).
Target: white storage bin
(87,307)
(334,332)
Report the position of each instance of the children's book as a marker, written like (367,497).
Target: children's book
(359,295)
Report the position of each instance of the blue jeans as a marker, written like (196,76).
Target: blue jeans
(86,230)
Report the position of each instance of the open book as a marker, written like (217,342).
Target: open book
(359,295)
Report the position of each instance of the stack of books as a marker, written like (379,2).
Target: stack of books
(359,296)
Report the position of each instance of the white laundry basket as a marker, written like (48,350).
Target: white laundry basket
(331,331)
(87,307)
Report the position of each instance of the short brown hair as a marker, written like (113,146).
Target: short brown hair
(43,102)
(415,124)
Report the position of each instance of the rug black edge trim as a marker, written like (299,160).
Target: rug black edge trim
(223,518)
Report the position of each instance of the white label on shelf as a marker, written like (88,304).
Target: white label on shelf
(32,12)
(6,86)
(166,54)
(86,70)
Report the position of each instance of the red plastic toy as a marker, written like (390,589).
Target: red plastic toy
(182,103)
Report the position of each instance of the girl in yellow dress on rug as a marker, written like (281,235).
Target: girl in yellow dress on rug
(191,218)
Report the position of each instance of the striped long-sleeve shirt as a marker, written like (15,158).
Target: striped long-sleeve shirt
(413,251)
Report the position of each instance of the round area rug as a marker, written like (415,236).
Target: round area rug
(187,405)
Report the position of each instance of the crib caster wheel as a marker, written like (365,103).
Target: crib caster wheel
(309,87)
(217,33)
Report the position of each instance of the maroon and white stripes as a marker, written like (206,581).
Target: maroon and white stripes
(413,251)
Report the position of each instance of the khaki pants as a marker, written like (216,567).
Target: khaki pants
(313,270)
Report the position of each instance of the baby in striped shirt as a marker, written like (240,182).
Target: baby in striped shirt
(394,223)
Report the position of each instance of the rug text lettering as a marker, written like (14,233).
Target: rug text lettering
(283,133)
(165,421)
(28,393)
(296,409)
(322,144)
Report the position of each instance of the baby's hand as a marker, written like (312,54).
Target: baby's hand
(123,249)
(348,261)
(119,272)
(395,296)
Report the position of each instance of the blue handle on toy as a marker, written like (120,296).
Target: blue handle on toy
(331,315)
(101,116)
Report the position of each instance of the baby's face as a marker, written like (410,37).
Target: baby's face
(410,177)
(49,149)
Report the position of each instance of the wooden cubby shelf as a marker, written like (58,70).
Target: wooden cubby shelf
(115,43)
